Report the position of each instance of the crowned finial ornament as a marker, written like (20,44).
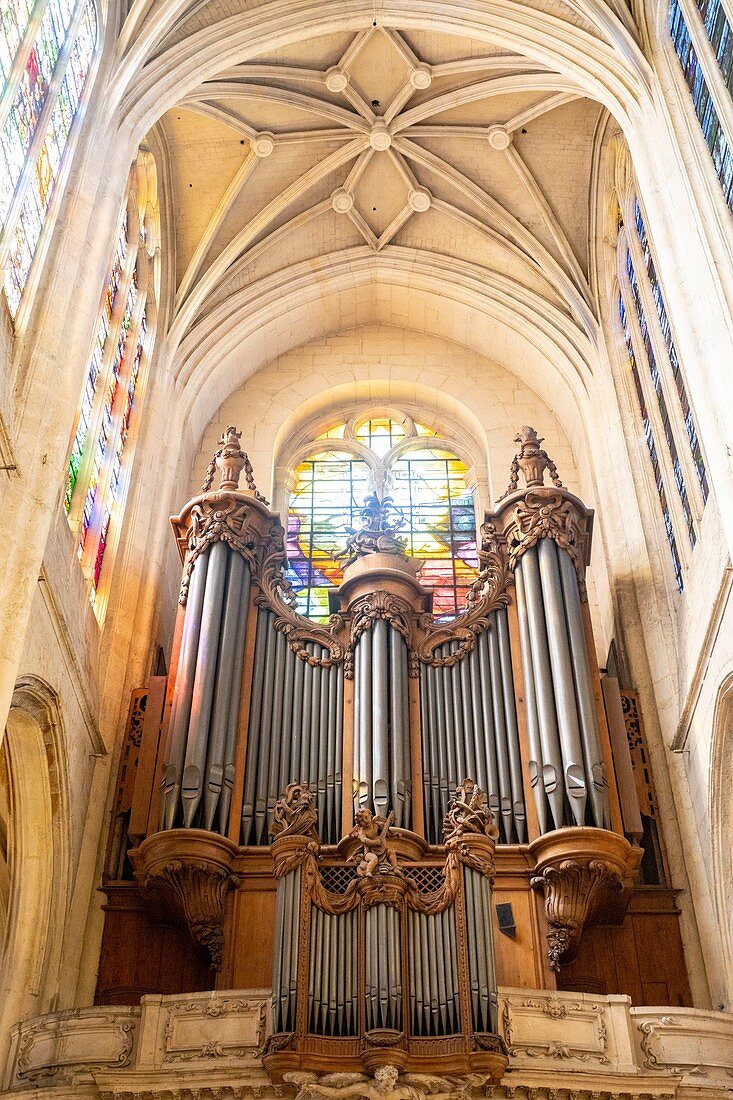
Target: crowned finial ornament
(229,459)
(532,460)
(378,534)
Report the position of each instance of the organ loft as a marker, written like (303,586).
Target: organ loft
(387,818)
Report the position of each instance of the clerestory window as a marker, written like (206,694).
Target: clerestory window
(100,456)
(46,50)
(429,485)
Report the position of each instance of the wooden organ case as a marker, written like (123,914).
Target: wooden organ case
(384,815)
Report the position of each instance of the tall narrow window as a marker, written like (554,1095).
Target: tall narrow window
(667,417)
(100,455)
(428,485)
(45,54)
(713,22)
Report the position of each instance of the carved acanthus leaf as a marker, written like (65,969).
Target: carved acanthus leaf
(572,889)
(198,889)
(365,611)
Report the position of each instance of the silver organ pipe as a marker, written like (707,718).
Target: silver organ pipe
(199,772)
(381,723)
(285,960)
(469,720)
(294,730)
(383,968)
(562,722)
(479,939)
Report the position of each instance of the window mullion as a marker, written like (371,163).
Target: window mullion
(710,66)
(117,410)
(103,382)
(674,503)
(669,390)
(17,67)
(39,135)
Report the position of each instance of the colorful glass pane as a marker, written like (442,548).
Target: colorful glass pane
(690,425)
(718,29)
(431,491)
(21,125)
(702,101)
(429,488)
(652,448)
(14,18)
(324,509)
(95,363)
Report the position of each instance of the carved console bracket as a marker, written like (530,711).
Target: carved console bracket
(189,871)
(586,876)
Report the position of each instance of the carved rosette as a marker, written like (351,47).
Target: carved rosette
(586,876)
(190,870)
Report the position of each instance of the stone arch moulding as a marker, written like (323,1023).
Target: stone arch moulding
(39,854)
(721,824)
(608,65)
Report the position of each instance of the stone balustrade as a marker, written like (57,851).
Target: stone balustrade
(563,1046)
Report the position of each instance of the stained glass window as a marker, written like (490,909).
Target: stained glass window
(719,32)
(428,485)
(99,449)
(652,448)
(44,77)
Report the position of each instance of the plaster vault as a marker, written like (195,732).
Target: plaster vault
(369,203)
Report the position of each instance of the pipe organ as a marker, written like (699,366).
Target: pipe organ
(335,804)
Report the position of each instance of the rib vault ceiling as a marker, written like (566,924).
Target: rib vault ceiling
(382,142)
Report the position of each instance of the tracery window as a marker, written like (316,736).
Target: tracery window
(702,36)
(679,470)
(100,457)
(429,485)
(46,50)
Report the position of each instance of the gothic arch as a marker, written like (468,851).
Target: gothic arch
(38,850)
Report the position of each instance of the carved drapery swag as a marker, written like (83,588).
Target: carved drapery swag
(382,872)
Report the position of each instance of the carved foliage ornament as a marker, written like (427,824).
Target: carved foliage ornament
(486,593)
(546,514)
(470,837)
(295,814)
(198,889)
(220,518)
(367,610)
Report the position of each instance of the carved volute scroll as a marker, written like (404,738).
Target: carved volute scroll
(190,872)
(586,877)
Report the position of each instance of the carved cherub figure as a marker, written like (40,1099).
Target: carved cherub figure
(387,1084)
(375,852)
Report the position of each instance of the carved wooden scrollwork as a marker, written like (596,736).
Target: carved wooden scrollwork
(386,605)
(486,593)
(546,513)
(220,517)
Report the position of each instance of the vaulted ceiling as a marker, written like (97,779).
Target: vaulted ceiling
(386,142)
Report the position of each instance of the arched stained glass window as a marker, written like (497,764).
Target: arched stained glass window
(429,485)
(100,456)
(703,41)
(46,50)
(668,422)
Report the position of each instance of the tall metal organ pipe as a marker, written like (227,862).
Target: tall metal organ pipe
(469,721)
(295,732)
(199,772)
(480,946)
(562,723)
(383,968)
(381,724)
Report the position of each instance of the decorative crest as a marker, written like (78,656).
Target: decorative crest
(375,853)
(378,534)
(468,812)
(295,814)
(532,460)
(230,460)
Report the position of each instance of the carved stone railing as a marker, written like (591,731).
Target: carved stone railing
(560,1046)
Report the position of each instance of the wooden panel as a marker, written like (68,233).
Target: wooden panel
(141,954)
(643,958)
(250,935)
